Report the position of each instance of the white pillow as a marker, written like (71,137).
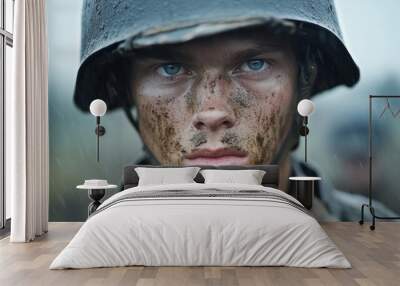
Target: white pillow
(162,176)
(248,177)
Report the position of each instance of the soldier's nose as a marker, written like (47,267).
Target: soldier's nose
(213,120)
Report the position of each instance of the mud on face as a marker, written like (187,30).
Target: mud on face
(159,133)
(238,108)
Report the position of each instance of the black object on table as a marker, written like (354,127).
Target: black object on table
(95,195)
(303,190)
(96,190)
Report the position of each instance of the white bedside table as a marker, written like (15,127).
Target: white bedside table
(304,189)
(96,191)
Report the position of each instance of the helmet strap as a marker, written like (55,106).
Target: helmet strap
(130,117)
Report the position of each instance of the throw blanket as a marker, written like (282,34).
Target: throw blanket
(205,194)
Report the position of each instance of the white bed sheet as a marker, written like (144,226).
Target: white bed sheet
(200,231)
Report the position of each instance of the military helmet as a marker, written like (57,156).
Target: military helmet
(110,25)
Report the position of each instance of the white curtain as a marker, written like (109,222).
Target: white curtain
(27,124)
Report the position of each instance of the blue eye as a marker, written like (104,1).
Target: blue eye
(171,69)
(253,65)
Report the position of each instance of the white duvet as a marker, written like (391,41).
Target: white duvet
(185,231)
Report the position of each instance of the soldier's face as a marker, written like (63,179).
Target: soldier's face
(221,100)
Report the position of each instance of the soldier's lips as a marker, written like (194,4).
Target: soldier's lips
(216,157)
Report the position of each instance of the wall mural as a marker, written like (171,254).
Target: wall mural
(192,84)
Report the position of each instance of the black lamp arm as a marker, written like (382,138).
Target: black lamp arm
(100,131)
(304,132)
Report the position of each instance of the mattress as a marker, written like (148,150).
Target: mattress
(201,225)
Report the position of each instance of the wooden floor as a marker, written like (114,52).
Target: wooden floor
(374,255)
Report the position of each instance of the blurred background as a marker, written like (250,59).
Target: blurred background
(338,144)
(338,141)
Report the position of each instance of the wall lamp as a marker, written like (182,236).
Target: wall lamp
(98,108)
(305,108)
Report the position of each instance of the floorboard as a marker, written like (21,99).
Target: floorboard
(374,255)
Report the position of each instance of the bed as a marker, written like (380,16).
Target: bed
(201,224)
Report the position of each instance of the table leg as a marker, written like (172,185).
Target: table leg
(305,193)
(95,195)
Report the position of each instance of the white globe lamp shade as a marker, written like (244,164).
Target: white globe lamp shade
(305,107)
(98,107)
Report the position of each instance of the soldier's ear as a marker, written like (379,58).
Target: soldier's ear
(312,71)
(119,81)
(308,71)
